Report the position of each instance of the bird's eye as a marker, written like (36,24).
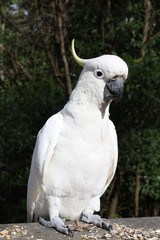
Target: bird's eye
(99,73)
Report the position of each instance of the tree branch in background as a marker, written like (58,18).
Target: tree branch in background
(17,63)
(61,29)
(54,66)
(148,22)
(137,191)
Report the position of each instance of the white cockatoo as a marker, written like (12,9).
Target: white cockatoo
(75,155)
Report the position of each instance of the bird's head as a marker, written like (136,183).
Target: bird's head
(105,76)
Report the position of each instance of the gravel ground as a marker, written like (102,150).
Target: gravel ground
(120,232)
(124,228)
(127,231)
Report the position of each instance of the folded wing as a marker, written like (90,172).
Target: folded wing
(43,152)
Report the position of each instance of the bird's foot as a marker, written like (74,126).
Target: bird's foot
(96,220)
(58,224)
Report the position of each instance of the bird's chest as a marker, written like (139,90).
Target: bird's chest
(82,144)
(79,159)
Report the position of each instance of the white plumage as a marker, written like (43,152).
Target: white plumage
(75,155)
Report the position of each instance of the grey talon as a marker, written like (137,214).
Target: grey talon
(110,228)
(70,233)
(107,227)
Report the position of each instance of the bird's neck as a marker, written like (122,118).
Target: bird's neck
(86,103)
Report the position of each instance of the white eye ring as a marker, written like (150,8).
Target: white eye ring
(99,73)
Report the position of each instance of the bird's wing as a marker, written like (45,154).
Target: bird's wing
(43,151)
(113,153)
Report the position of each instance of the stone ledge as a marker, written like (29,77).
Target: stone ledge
(82,231)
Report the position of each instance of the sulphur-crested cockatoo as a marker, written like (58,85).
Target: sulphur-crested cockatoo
(75,155)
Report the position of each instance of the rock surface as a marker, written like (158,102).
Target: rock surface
(123,228)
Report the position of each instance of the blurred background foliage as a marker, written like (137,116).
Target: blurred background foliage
(38,73)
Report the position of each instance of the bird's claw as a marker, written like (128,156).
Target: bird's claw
(107,227)
(58,224)
(70,233)
(96,220)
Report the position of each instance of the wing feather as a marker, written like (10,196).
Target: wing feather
(114,153)
(42,154)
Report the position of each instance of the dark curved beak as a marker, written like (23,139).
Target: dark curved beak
(114,89)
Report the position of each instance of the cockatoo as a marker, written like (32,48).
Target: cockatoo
(75,154)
